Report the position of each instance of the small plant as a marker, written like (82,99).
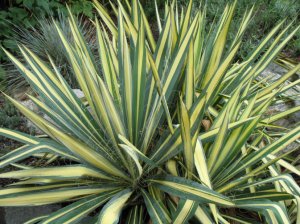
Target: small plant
(10,118)
(171,130)
(43,41)
(28,13)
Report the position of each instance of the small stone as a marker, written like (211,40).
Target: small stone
(78,93)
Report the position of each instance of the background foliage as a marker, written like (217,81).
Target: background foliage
(27,13)
(266,15)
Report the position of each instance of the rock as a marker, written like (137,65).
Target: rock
(33,129)
(19,215)
(78,93)
(20,94)
(274,72)
(30,105)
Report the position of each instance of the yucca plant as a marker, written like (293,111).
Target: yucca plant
(170,132)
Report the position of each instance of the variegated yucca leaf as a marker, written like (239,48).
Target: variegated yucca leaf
(170,130)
